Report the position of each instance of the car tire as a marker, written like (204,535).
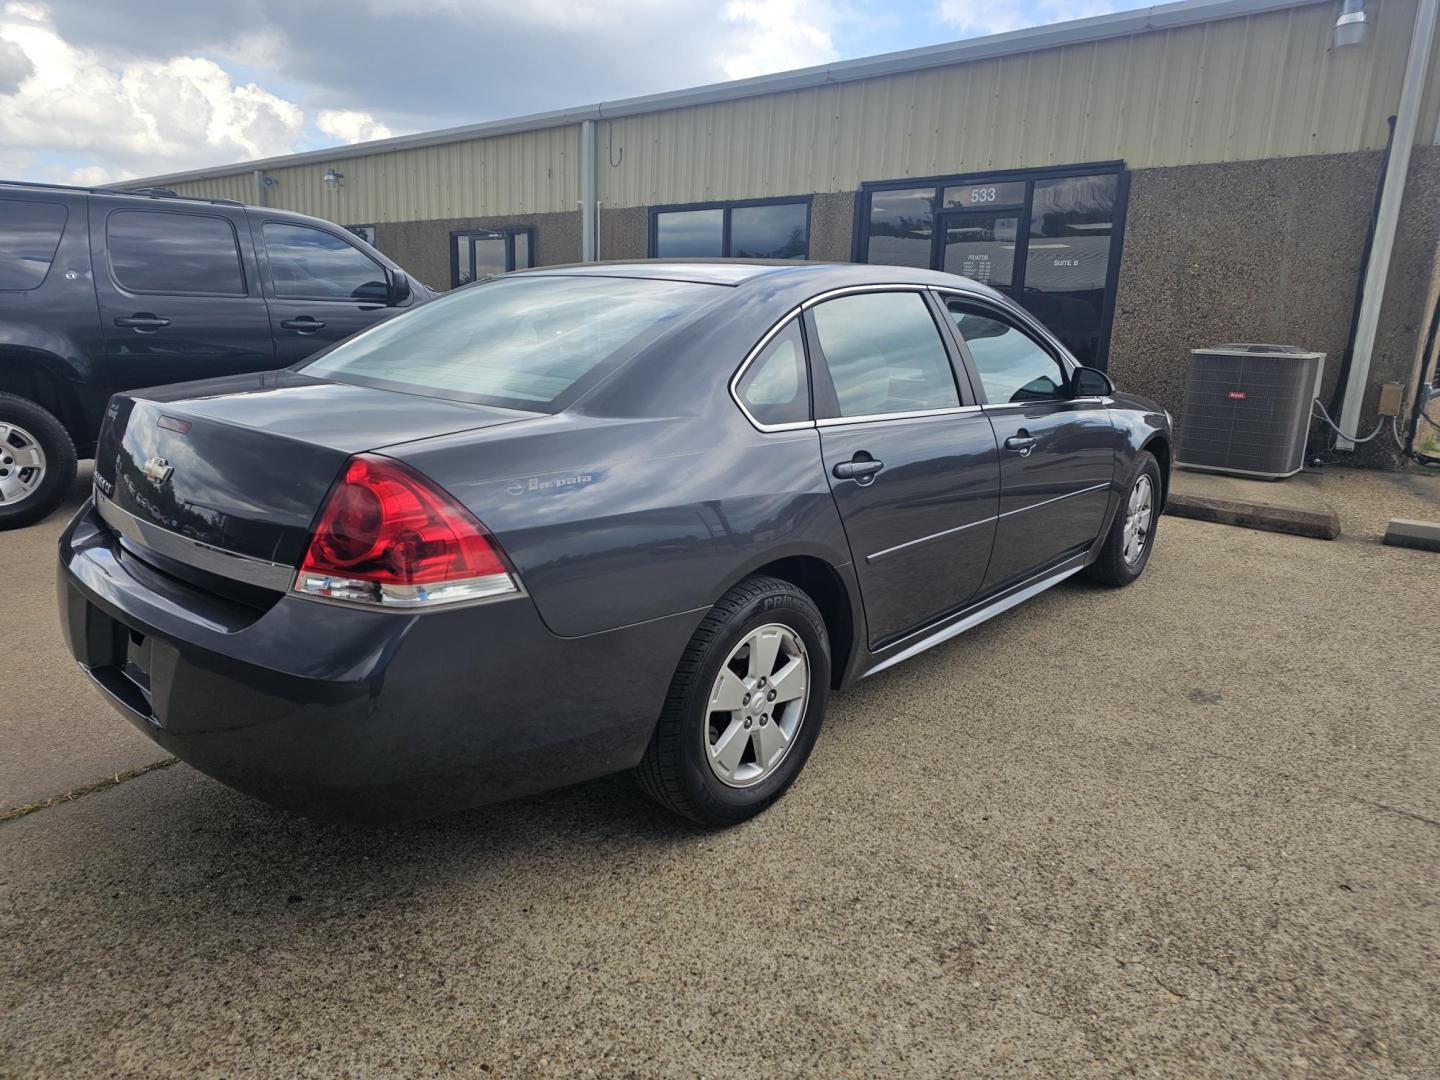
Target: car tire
(1124,556)
(687,768)
(25,429)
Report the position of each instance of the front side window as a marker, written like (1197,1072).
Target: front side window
(742,231)
(155,251)
(29,234)
(776,386)
(523,342)
(884,354)
(311,264)
(1012,366)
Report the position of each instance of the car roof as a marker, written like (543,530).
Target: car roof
(765,273)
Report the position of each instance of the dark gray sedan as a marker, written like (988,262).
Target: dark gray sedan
(573,521)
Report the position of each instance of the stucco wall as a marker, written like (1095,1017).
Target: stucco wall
(1265,251)
(423,247)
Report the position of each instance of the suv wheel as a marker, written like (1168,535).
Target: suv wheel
(744,708)
(37,462)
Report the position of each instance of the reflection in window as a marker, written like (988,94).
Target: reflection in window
(29,234)
(769,232)
(902,224)
(884,354)
(765,231)
(695,234)
(981,247)
(1068,258)
(1012,366)
(179,254)
(309,264)
(776,387)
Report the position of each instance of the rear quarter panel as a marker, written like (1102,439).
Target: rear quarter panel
(612,521)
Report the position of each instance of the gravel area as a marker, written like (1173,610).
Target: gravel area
(1190,828)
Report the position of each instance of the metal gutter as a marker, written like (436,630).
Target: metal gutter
(1030,39)
(1387,221)
(588,193)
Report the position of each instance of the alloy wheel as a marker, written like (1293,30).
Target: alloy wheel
(22,464)
(757,704)
(1139,519)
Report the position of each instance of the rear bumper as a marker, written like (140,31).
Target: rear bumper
(355,713)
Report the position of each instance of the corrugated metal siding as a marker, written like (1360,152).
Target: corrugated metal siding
(1259,87)
(1264,86)
(532,172)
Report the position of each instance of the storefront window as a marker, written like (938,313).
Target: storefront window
(902,226)
(1068,258)
(778,230)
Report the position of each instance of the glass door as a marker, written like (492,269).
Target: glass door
(981,245)
(480,253)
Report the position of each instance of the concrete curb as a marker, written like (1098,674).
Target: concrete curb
(1406,532)
(1320,524)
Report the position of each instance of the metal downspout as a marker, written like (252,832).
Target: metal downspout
(1407,120)
(588,237)
(259,187)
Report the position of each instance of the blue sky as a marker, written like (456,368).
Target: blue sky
(100,90)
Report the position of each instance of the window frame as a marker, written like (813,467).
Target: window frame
(727,206)
(120,286)
(507,232)
(860,225)
(1027,325)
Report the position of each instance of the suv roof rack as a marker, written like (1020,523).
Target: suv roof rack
(142,192)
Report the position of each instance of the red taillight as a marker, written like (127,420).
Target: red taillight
(388,536)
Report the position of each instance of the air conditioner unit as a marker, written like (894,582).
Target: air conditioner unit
(1247,409)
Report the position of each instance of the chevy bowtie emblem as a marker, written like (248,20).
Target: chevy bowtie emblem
(158,469)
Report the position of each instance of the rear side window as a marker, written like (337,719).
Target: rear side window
(29,234)
(776,386)
(524,343)
(152,251)
(311,264)
(884,354)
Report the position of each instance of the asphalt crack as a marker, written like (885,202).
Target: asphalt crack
(17,812)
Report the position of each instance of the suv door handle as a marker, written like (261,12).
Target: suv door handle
(860,469)
(1022,444)
(305,324)
(142,320)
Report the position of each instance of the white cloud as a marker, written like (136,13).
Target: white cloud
(351,125)
(777,35)
(144,116)
(976,17)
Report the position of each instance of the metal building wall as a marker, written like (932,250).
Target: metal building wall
(1266,86)
(527,173)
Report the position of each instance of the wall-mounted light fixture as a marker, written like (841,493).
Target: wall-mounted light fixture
(333,180)
(1352,27)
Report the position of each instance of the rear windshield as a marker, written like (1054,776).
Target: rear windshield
(524,342)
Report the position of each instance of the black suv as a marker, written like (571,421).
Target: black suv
(105,291)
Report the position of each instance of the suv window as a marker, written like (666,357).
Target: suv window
(1013,367)
(884,354)
(29,234)
(311,264)
(156,251)
(776,387)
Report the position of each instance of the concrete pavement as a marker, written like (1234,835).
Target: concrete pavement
(1187,828)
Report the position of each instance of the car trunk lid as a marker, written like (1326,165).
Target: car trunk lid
(243,465)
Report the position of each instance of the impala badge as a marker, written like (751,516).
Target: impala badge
(158,469)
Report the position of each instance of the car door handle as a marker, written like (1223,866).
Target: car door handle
(142,320)
(305,324)
(1022,444)
(861,469)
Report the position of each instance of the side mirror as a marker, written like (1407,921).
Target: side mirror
(399,287)
(1090,382)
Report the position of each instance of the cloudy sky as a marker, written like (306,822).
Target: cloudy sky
(99,90)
